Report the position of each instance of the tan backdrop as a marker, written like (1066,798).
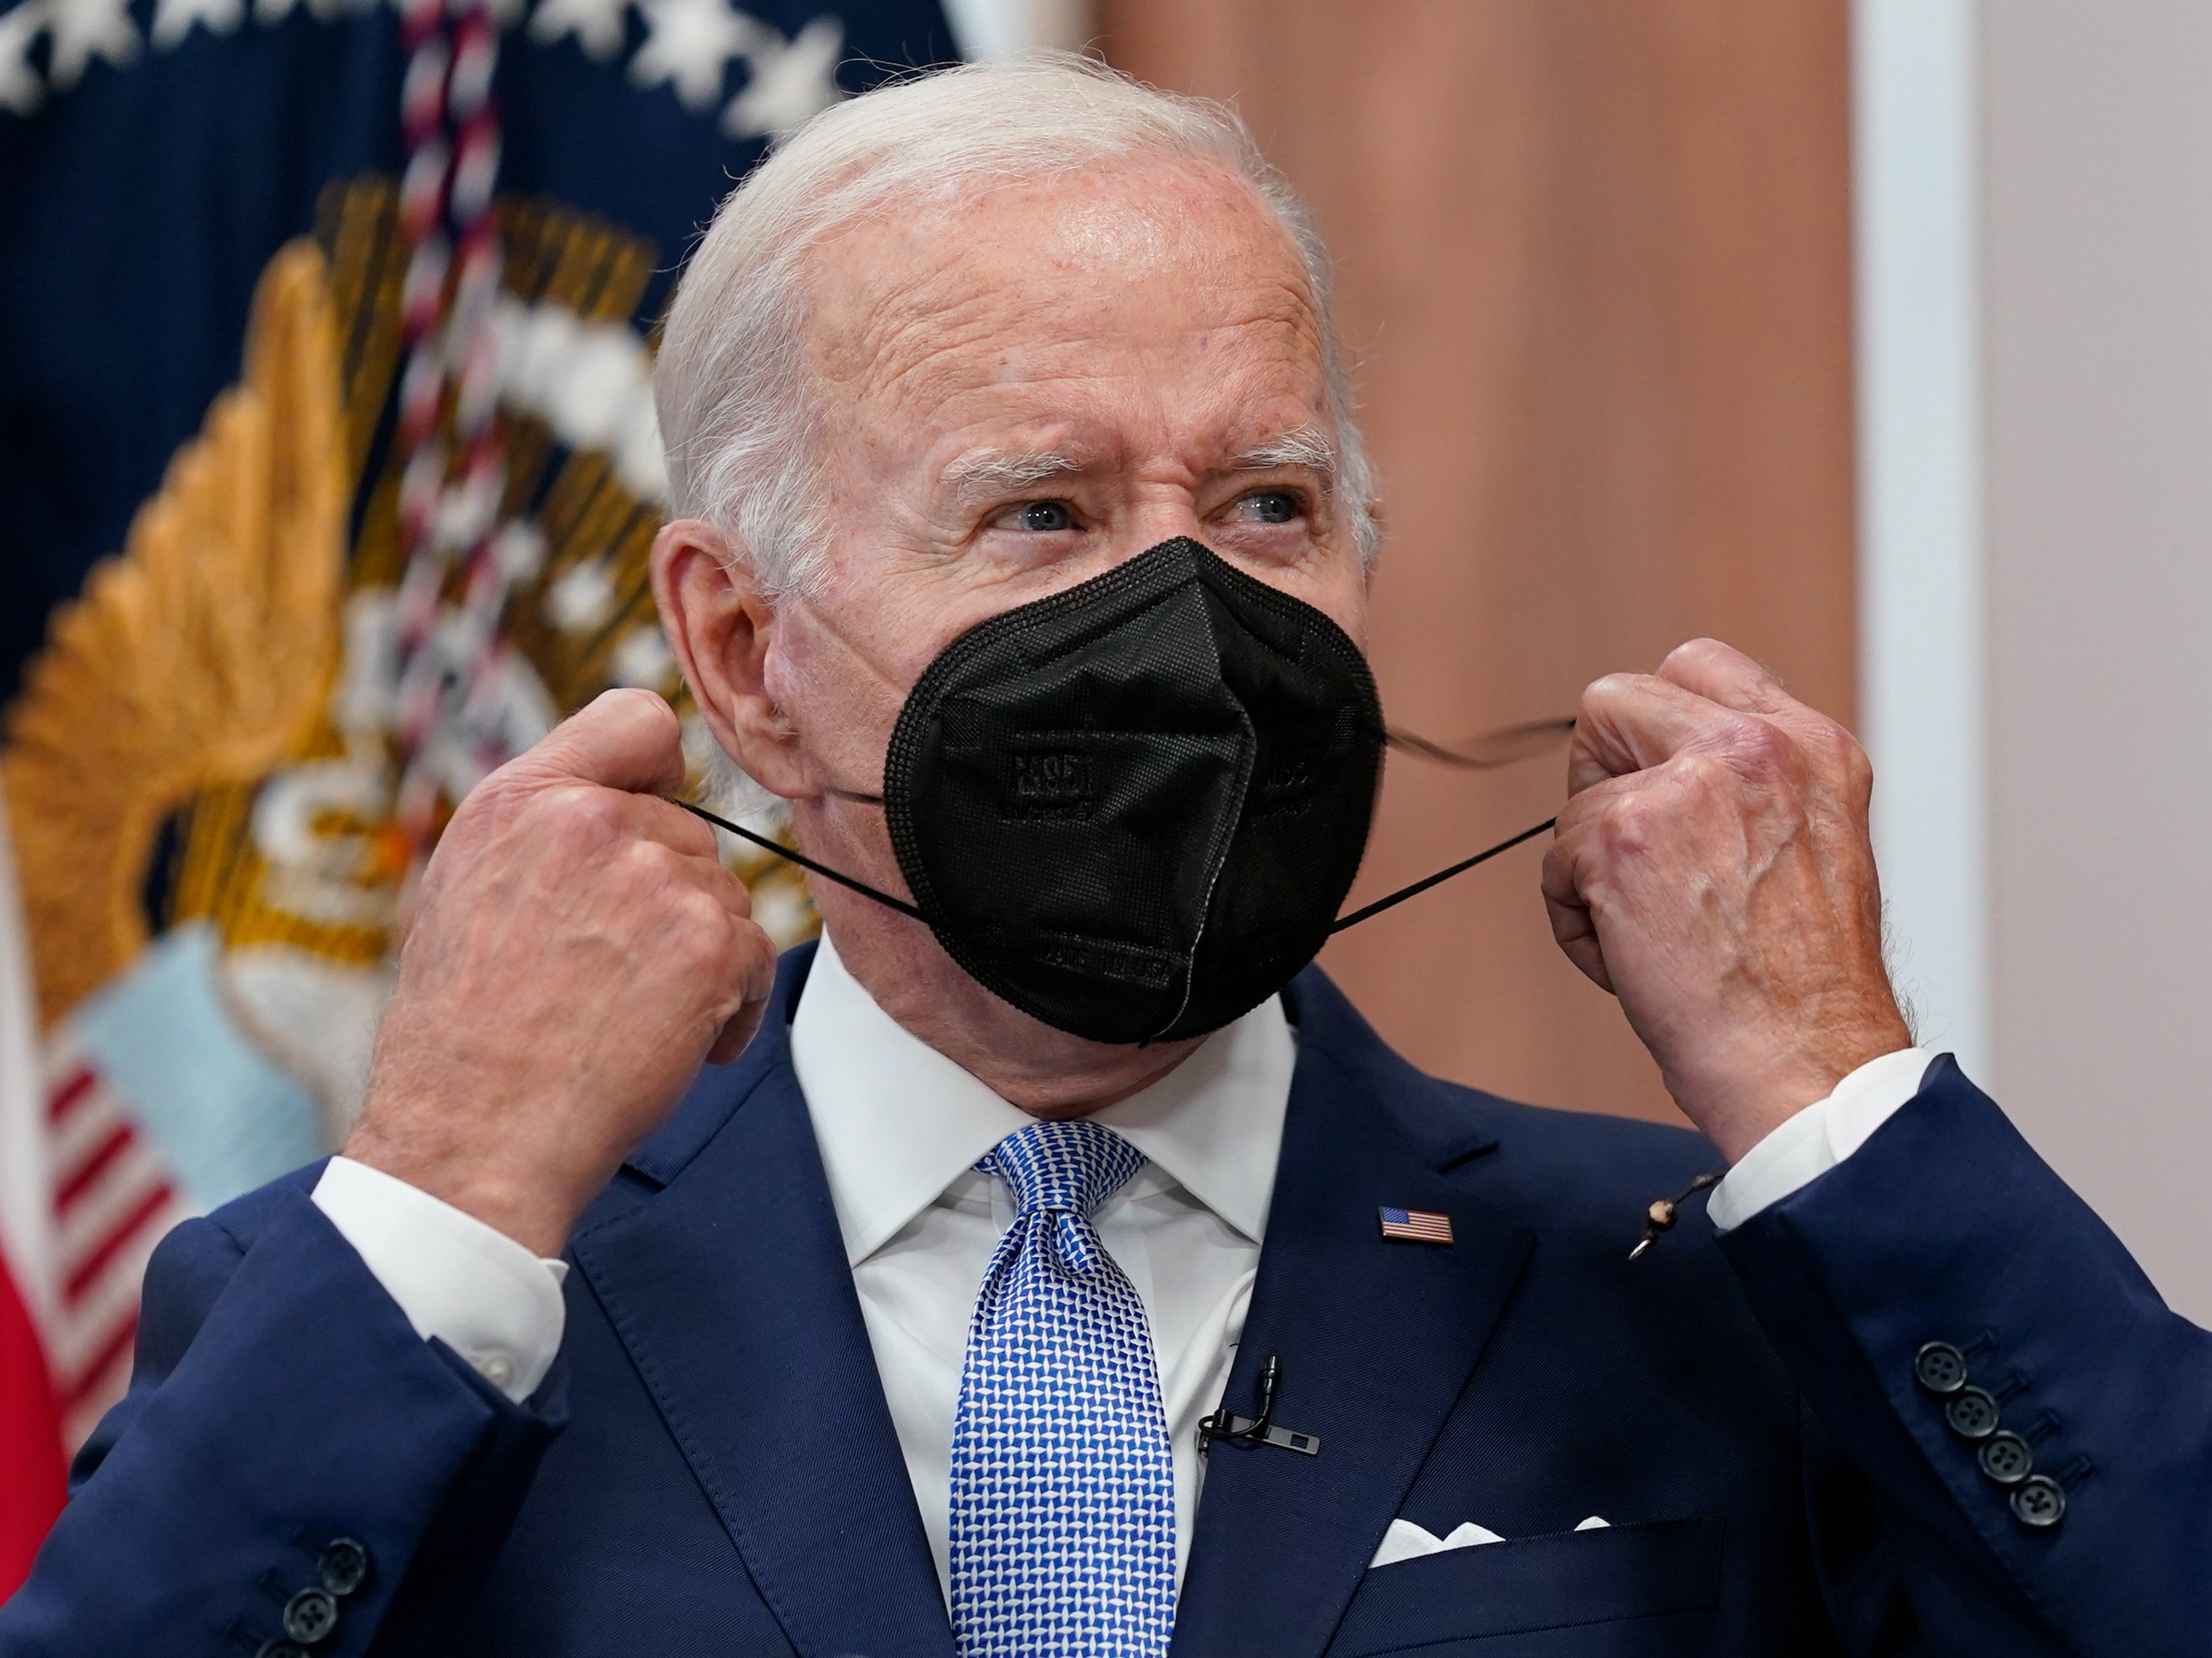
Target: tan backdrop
(1594,266)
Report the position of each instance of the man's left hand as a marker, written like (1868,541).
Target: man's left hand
(1713,870)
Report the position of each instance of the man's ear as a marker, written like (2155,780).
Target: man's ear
(722,627)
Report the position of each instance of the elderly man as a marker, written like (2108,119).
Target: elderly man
(1050,1261)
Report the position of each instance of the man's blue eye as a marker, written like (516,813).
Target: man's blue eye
(1046,516)
(1272,506)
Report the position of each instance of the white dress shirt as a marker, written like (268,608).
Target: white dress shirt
(1818,1137)
(900,1127)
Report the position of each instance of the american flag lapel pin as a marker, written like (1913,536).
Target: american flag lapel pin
(1415,1226)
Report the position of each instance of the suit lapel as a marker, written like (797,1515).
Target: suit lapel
(730,1289)
(1377,1339)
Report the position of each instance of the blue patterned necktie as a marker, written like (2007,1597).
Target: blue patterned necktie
(1063,1492)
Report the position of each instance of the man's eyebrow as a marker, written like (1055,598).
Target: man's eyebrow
(1304,445)
(985,470)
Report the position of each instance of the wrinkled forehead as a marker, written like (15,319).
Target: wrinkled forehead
(1129,268)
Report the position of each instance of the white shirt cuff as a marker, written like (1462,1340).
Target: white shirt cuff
(469,1285)
(1819,1137)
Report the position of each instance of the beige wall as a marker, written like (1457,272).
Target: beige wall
(1594,262)
(2097,299)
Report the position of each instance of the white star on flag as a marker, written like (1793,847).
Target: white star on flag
(691,46)
(86,29)
(21,91)
(272,12)
(174,19)
(597,25)
(791,81)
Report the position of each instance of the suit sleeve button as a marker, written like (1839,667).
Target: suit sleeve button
(2039,1501)
(2006,1458)
(310,1615)
(344,1566)
(280,1650)
(1971,1413)
(1939,1368)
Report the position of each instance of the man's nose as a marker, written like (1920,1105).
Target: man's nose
(1158,516)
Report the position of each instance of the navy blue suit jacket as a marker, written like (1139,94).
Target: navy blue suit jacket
(710,1467)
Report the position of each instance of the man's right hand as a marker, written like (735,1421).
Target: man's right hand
(577,951)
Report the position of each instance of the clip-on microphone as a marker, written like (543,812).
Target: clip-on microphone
(1225,1425)
(1659,1219)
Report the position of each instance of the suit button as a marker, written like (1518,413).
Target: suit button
(343,1567)
(2006,1458)
(1971,1413)
(280,1650)
(1939,1368)
(2040,1500)
(310,1615)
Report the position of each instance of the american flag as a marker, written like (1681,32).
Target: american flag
(113,1200)
(1415,1226)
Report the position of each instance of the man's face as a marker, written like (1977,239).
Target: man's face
(1026,391)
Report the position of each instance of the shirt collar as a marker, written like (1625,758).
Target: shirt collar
(898,1122)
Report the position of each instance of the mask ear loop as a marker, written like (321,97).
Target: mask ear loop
(1488,751)
(1441,875)
(1493,749)
(804,862)
(1485,753)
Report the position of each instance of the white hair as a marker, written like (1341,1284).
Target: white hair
(736,413)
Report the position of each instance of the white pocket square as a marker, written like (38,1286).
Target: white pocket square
(1407,1541)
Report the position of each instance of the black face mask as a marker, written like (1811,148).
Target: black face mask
(1132,808)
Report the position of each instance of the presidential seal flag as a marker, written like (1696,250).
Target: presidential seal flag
(328,445)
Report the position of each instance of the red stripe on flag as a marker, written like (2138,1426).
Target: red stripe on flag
(72,1089)
(115,1348)
(1417,1226)
(119,1139)
(31,1474)
(118,1236)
